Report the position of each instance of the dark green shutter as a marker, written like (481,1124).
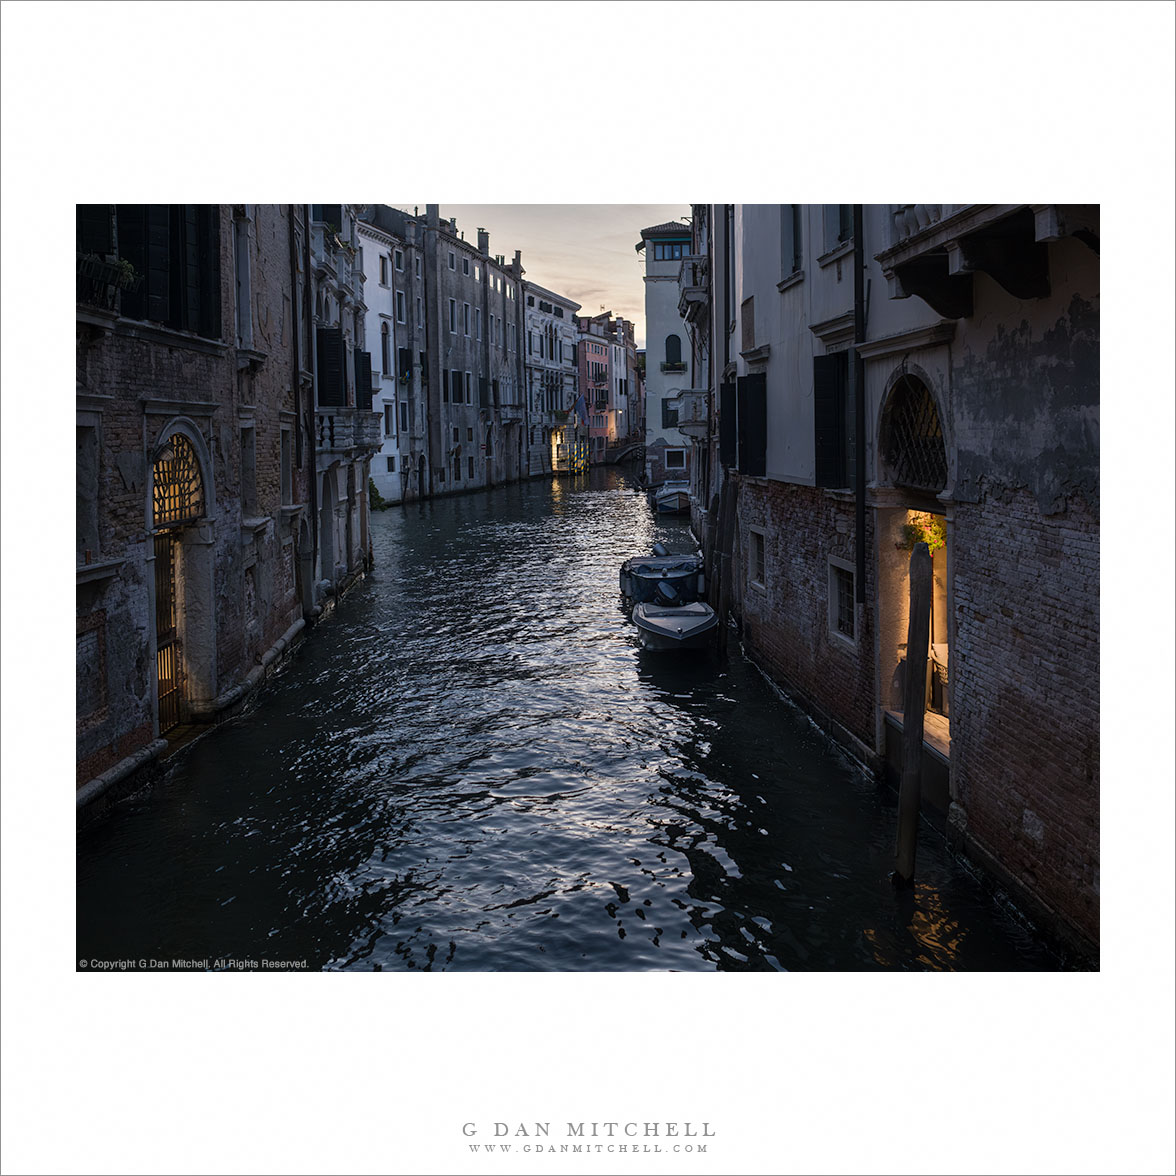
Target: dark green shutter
(752,397)
(363,380)
(830,374)
(332,388)
(727,435)
(94,232)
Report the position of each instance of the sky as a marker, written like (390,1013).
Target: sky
(586,252)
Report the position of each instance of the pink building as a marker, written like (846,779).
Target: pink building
(593,357)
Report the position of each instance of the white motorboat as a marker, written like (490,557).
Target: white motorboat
(641,575)
(671,498)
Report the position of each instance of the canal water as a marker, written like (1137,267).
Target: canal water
(472,766)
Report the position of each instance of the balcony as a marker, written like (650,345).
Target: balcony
(693,411)
(347,430)
(693,286)
(100,281)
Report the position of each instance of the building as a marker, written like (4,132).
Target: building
(396,299)
(195,437)
(473,323)
(668,371)
(595,354)
(552,379)
(348,432)
(960,409)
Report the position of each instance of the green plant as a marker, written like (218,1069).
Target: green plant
(924,527)
(375,498)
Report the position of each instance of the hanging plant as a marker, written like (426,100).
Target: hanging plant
(924,527)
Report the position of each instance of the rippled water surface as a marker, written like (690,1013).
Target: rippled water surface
(472,766)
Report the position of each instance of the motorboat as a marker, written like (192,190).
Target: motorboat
(666,623)
(671,498)
(641,575)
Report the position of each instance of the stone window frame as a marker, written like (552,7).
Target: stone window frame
(836,564)
(666,459)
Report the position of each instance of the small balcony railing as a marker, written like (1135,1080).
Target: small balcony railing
(100,281)
(673,367)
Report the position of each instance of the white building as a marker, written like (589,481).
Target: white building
(668,360)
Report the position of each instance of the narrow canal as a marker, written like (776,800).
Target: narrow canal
(472,766)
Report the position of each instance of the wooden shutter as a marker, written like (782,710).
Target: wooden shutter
(445,384)
(132,247)
(727,435)
(483,392)
(829,381)
(363,380)
(458,385)
(332,388)
(404,363)
(208,230)
(424,370)
(158,281)
(752,397)
(94,232)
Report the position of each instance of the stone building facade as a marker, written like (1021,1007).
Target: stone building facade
(195,563)
(551,375)
(961,411)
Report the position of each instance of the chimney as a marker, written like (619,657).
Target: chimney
(453,225)
(517,264)
(432,215)
(483,243)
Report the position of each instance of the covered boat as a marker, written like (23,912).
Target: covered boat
(641,575)
(667,627)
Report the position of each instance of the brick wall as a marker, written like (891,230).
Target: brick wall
(1025,694)
(786,624)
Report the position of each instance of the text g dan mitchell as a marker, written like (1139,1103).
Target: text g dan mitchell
(610,1129)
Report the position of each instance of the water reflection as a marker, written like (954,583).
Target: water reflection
(473,766)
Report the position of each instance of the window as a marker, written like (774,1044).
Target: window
(456,386)
(400,306)
(465,317)
(248,472)
(420,322)
(385,349)
(399,260)
(389,422)
(417,266)
(465,266)
(478,321)
(790,259)
(841,602)
(675,459)
(669,414)
(457,469)
(456,434)
(838,225)
(287,470)
(833,421)
(471,467)
(404,416)
(391,463)
(469,434)
(669,250)
(673,353)
(469,389)
(477,272)
(453,316)
(452,260)
(756,553)
(383,270)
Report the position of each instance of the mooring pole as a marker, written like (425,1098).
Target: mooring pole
(914,689)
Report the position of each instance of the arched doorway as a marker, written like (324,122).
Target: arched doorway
(914,464)
(177,500)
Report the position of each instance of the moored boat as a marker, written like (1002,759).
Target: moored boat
(671,498)
(664,628)
(641,575)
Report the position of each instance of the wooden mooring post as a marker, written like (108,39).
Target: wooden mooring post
(914,690)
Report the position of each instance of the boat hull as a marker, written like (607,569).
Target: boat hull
(640,577)
(665,630)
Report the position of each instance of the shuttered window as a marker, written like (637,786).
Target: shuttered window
(790,257)
(332,384)
(94,229)
(404,364)
(363,380)
(751,394)
(833,421)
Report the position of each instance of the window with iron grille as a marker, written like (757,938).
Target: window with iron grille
(178,489)
(912,439)
(841,600)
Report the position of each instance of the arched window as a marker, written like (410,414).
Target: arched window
(178,489)
(385,349)
(912,439)
(673,349)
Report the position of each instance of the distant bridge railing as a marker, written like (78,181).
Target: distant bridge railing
(627,451)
